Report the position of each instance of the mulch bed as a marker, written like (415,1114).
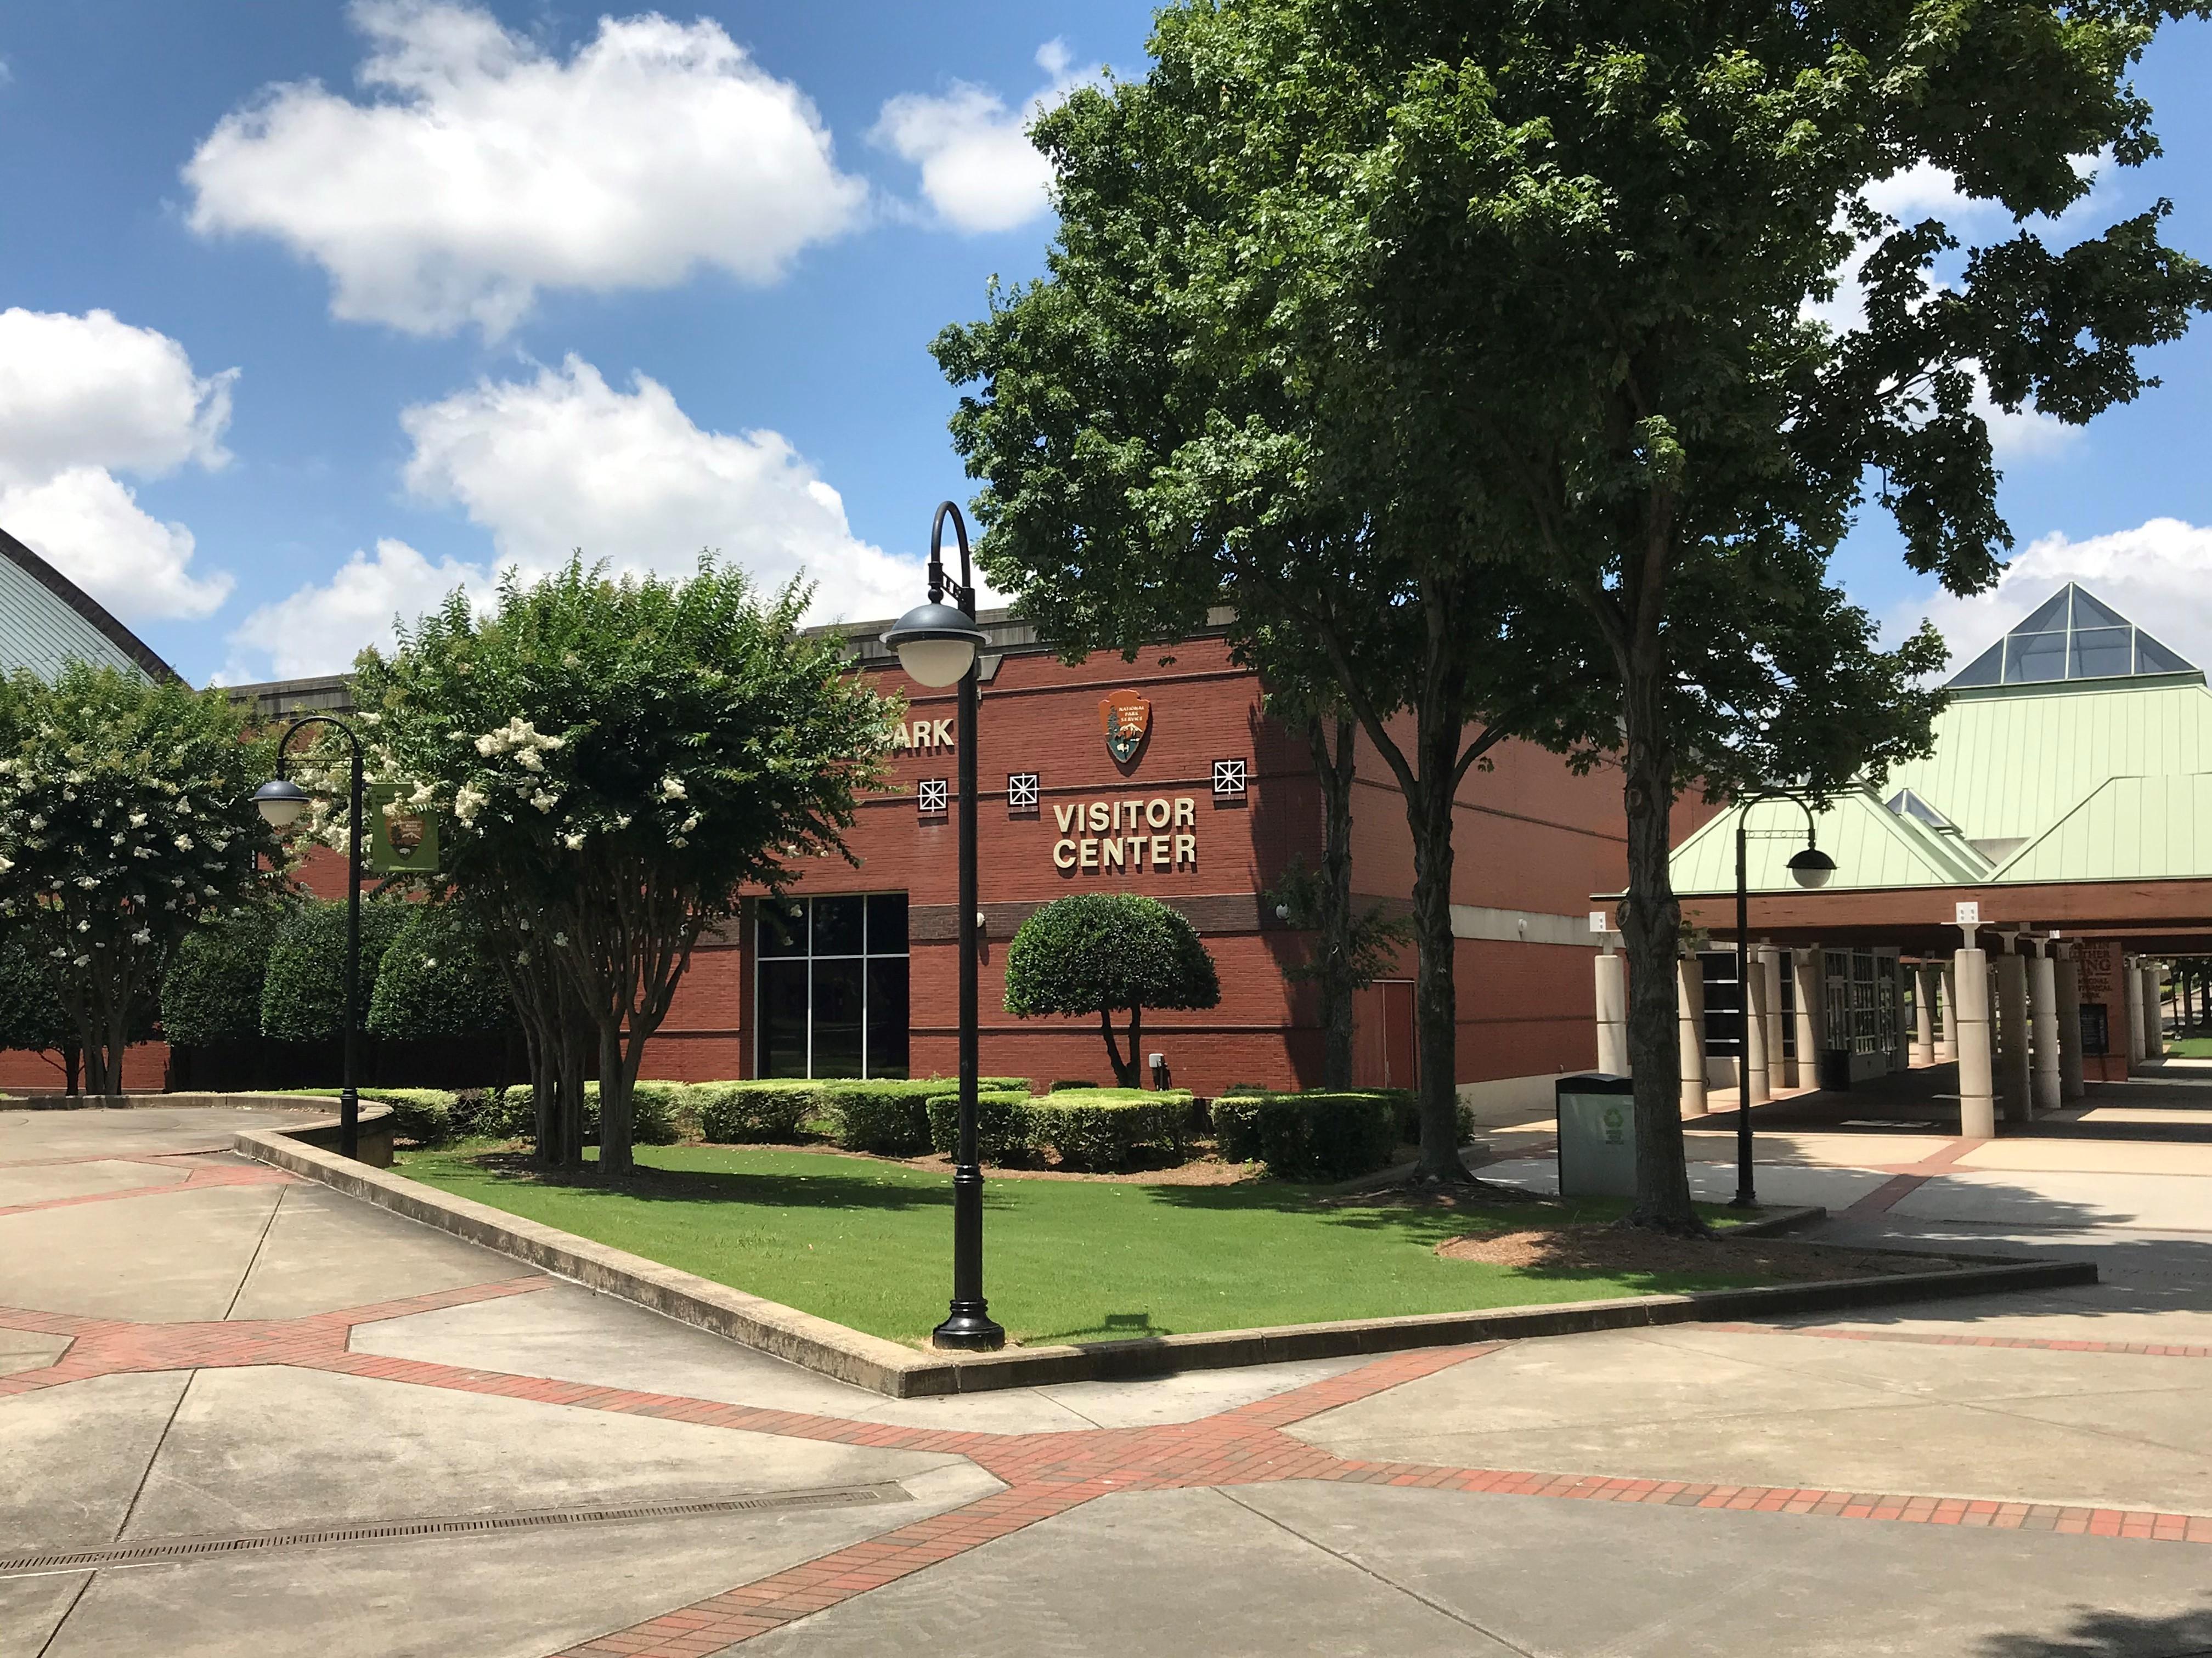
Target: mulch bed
(1610,1249)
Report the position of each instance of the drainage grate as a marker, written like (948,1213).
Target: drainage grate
(190,1548)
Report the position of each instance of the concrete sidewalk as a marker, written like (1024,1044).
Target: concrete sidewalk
(194,1349)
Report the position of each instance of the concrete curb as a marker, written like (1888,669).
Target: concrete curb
(887,1367)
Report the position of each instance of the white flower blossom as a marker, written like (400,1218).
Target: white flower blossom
(671,788)
(84,961)
(560,938)
(85,926)
(467,803)
(574,842)
(137,820)
(38,823)
(690,822)
(529,761)
(6,863)
(544,800)
(424,794)
(144,936)
(87,881)
(522,958)
(184,843)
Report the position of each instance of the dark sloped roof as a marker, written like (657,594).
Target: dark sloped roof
(46,619)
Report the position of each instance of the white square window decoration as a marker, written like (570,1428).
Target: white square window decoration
(1228,777)
(1022,791)
(933,794)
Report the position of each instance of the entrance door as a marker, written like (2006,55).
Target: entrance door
(1382,1049)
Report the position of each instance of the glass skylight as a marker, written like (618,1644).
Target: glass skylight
(2070,635)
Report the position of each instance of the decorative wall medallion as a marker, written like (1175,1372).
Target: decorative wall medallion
(1125,718)
(1229,778)
(1022,791)
(933,794)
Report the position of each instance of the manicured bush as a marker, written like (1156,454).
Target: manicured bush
(742,1113)
(889,1116)
(1066,1083)
(1103,953)
(427,1116)
(1106,1129)
(1002,1124)
(653,1107)
(211,992)
(31,1013)
(1406,1112)
(1309,1137)
(303,994)
(505,1114)
(437,980)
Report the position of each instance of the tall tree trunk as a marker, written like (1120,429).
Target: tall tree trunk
(615,1127)
(1125,1074)
(1651,929)
(1335,761)
(572,1051)
(1436,1002)
(72,1076)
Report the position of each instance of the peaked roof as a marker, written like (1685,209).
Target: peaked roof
(2070,635)
(46,620)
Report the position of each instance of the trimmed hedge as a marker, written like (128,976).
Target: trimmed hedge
(436,980)
(1309,1137)
(743,1113)
(212,990)
(653,1109)
(303,992)
(890,1116)
(1003,1121)
(1104,1129)
(428,1116)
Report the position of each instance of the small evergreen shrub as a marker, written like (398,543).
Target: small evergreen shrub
(506,1114)
(889,1116)
(1066,1083)
(1002,1124)
(652,1109)
(747,1113)
(1104,1130)
(427,1116)
(303,992)
(436,980)
(1406,1110)
(211,992)
(1309,1137)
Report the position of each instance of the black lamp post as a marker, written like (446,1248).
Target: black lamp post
(937,644)
(1810,868)
(281,802)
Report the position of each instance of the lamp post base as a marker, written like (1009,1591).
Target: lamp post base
(968,1330)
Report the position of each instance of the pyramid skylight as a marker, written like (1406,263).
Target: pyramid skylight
(2071,636)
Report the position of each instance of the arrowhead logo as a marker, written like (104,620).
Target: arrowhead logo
(1125,718)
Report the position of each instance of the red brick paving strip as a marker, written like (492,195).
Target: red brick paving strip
(199,1180)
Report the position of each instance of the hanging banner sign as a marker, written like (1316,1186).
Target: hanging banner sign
(402,840)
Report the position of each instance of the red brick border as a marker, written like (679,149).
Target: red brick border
(201,1177)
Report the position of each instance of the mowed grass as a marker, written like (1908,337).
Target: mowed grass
(2190,1048)
(869,1243)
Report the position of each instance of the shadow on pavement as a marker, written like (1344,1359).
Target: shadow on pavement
(2098,1633)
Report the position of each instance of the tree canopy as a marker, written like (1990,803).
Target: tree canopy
(437,979)
(1108,953)
(211,992)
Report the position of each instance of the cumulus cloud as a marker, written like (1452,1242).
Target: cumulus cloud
(979,170)
(82,398)
(2154,574)
(320,628)
(479,169)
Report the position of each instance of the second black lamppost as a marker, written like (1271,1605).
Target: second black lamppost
(281,802)
(1810,868)
(937,645)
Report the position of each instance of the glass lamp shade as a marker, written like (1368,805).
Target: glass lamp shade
(280,802)
(1812,868)
(936,644)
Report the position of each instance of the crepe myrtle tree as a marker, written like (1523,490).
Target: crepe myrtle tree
(126,820)
(31,1016)
(616,760)
(1107,953)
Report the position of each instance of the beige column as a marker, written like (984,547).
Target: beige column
(1780,1073)
(1946,1039)
(1752,1074)
(2015,1084)
(1812,1011)
(2153,1013)
(1924,1013)
(1690,1019)
(2131,984)
(2044,1086)
(2069,1023)
(1970,1030)
(1612,1013)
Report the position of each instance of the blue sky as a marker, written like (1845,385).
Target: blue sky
(395,293)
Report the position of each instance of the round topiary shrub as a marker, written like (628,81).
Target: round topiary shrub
(212,990)
(303,993)
(436,980)
(1104,953)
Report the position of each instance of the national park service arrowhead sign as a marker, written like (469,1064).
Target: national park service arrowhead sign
(1125,718)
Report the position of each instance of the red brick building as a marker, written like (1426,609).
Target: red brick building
(1206,812)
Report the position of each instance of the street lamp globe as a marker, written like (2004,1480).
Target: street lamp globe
(280,802)
(1812,868)
(936,644)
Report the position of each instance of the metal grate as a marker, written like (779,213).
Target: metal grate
(190,1548)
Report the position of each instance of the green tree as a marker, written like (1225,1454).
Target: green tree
(32,1019)
(303,986)
(1551,284)
(1108,953)
(616,760)
(437,979)
(211,992)
(126,820)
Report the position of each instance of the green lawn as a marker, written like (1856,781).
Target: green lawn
(868,1244)
(2190,1047)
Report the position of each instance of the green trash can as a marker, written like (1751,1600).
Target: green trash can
(1596,1117)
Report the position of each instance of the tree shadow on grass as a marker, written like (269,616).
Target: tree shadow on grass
(2100,1632)
(648,1184)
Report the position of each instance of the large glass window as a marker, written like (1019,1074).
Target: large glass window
(832,986)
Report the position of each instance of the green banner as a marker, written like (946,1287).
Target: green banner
(402,840)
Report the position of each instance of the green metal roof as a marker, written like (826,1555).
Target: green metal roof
(46,620)
(2061,771)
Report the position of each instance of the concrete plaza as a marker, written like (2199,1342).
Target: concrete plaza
(240,1413)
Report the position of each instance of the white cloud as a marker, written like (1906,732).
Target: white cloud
(979,170)
(81,398)
(2154,574)
(565,461)
(91,528)
(481,169)
(320,628)
(91,391)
